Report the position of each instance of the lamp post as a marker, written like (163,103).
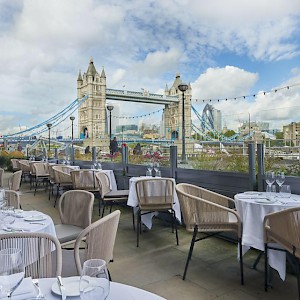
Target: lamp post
(183,87)
(110,107)
(49,125)
(72,118)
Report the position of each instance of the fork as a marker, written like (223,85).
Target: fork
(36,284)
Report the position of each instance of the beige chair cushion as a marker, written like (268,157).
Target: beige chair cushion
(66,233)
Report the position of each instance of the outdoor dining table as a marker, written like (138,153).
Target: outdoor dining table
(50,290)
(147,218)
(252,208)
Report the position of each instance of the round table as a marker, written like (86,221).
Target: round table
(117,291)
(252,208)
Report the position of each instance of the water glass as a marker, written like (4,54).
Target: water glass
(94,280)
(12,270)
(285,191)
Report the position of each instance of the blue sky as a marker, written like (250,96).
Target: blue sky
(223,48)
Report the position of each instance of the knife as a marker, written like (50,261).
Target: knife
(61,288)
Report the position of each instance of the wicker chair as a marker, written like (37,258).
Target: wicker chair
(13,199)
(155,195)
(208,212)
(84,179)
(25,167)
(15,164)
(99,240)
(108,196)
(39,257)
(62,178)
(283,228)
(41,174)
(14,181)
(75,210)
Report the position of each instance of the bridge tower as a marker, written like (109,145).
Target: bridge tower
(173,115)
(92,119)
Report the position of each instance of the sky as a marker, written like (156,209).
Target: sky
(224,49)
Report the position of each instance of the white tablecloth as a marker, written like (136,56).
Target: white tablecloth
(252,208)
(45,226)
(147,218)
(118,291)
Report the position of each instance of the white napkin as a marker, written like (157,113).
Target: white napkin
(24,291)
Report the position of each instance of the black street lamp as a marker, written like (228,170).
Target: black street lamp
(110,107)
(183,87)
(49,125)
(72,118)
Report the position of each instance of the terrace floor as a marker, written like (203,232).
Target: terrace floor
(157,265)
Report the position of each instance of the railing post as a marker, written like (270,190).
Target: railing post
(261,167)
(55,153)
(252,174)
(72,156)
(173,161)
(44,152)
(124,158)
(94,154)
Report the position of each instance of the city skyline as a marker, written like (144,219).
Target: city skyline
(224,49)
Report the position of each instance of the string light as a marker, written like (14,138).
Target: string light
(249,96)
(140,116)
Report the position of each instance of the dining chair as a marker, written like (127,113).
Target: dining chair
(75,210)
(283,227)
(84,179)
(25,168)
(207,212)
(1,177)
(108,196)
(15,164)
(62,178)
(13,199)
(41,174)
(14,181)
(41,252)
(155,195)
(98,240)
(52,181)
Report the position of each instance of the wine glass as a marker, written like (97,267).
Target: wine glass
(280,178)
(149,169)
(12,270)
(270,178)
(156,167)
(94,280)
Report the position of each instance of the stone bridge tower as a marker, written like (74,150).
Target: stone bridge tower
(92,123)
(173,115)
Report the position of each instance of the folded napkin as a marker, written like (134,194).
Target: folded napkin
(24,291)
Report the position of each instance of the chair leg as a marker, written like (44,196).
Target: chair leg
(241,261)
(175,225)
(266,267)
(191,251)
(104,205)
(139,227)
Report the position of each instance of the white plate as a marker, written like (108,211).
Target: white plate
(253,193)
(35,218)
(71,285)
(265,201)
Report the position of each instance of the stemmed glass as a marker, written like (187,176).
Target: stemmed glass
(12,270)
(149,169)
(270,179)
(280,178)
(156,168)
(94,280)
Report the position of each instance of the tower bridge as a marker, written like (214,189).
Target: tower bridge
(93,117)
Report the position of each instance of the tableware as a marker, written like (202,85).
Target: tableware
(35,218)
(37,286)
(265,201)
(253,193)
(12,270)
(271,189)
(94,280)
(71,285)
(158,173)
(270,178)
(280,178)
(285,191)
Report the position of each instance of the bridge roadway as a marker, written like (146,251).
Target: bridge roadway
(141,97)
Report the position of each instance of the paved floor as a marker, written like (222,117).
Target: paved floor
(157,265)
